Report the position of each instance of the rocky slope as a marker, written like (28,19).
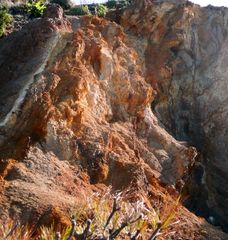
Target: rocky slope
(76,104)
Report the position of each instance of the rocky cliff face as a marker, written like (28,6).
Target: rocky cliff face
(186,63)
(79,100)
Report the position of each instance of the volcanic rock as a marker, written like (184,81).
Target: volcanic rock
(76,102)
(81,95)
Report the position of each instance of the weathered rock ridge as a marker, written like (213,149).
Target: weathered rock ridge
(76,102)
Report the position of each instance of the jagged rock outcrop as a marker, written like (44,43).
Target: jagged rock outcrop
(76,116)
(81,95)
(186,63)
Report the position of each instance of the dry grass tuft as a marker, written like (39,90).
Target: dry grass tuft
(102,218)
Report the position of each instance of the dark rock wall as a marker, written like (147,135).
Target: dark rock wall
(187,60)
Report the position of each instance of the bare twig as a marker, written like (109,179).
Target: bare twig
(118,231)
(73,222)
(86,231)
(135,236)
(115,209)
(156,232)
(58,236)
(11,231)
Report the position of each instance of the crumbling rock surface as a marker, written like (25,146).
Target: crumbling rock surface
(76,117)
(186,63)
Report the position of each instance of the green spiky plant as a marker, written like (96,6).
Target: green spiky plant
(79,11)
(35,8)
(5,19)
(14,231)
(101,10)
(102,218)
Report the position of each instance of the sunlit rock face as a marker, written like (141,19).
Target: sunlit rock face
(74,96)
(186,61)
(87,103)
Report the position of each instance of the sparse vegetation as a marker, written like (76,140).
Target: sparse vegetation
(14,231)
(79,11)
(5,20)
(124,3)
(101,10)
(111,4)
(103,218)
(118,3)
(35,8)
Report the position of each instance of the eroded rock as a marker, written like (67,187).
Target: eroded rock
(82,96)
(186,62)
(78,116)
